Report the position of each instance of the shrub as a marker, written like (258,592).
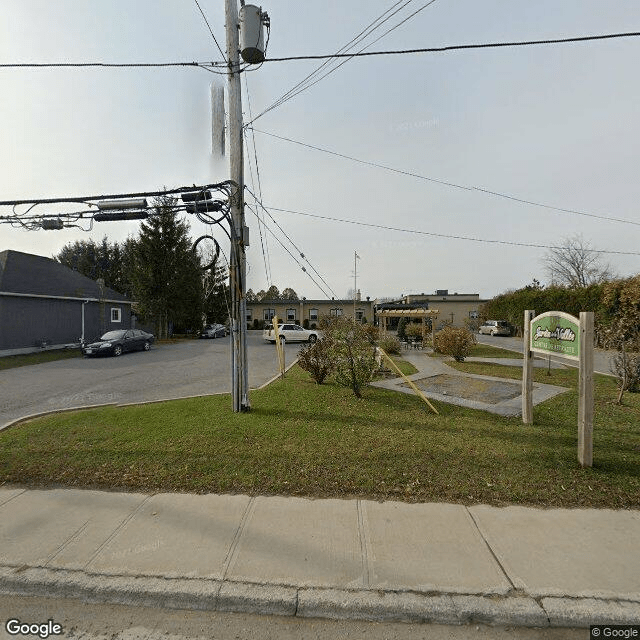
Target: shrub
(390,344)
(454,341)
(353,353)
(305,323)
(317,359)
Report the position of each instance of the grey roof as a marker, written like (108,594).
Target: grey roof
(27,273)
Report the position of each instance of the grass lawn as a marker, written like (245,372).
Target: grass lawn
(486,351)
(9,362)
(318,440)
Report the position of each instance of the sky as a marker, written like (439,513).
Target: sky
(555,125)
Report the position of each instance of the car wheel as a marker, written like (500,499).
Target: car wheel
(493,333)
(313,338)
(147,346)
(117,350)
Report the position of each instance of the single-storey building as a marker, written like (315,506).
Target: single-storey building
(308,312)
(453,308)
(44,304)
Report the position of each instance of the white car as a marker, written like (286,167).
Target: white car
(495,328)
(290,333)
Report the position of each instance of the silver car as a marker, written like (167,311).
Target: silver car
(495,328)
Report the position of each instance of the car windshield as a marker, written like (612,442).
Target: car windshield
(112,335)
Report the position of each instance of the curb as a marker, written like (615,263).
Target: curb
(284,600)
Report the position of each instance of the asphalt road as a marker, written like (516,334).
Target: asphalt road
(601,358)
(167,371)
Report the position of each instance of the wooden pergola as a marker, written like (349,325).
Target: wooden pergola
(421,314)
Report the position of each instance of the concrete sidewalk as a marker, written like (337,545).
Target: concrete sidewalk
(440,563)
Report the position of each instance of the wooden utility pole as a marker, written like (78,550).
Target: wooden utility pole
(238,267)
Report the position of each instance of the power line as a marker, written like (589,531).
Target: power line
(225,186)
(291,254)
(284,233)
(210,65)
(265,256)
(444,235)
(352,43)
(460,47)
(348,56)
(450,184)
(210,29)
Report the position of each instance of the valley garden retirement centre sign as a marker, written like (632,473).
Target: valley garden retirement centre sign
(564,335)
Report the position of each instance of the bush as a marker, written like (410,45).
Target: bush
(353,352)
(454,341)
(317,359)
(390,344)
(305,323)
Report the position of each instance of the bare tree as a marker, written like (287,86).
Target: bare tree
(576,264)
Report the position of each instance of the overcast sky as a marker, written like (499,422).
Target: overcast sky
(556,125)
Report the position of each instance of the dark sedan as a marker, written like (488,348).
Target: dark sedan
(115,343)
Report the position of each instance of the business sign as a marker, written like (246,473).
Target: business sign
(556,332)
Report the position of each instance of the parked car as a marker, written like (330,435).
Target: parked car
(115,343)
(213,331)
(495,328)
(290,333)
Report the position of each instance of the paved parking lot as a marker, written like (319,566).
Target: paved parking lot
(189,368)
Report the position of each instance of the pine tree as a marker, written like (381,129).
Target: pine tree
(166,276)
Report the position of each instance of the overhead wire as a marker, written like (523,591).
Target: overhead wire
(444,235)
(210,30)
(210,65)
(263,240)
(348,57)
(289,252)
(353,42)
(284,233)
(450,184)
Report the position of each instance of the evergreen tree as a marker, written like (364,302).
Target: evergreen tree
(289,294)
(166,275)
(104,260)
(216,294)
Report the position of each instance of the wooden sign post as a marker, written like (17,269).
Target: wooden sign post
(567,336)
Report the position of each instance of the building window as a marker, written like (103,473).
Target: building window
(359,314)
(291,315)
(335,312)
(116,315)
(313,314)
(473,314)
(269,313)
(249,315)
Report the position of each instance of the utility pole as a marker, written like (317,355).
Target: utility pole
(356,257)
(238,267)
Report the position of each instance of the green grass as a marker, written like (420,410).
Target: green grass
(9,362)
(318,440)
(486,351)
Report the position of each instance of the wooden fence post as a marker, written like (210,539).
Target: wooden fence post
(527,370)
(585,402)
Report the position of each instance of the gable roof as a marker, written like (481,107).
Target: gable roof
(37,275)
